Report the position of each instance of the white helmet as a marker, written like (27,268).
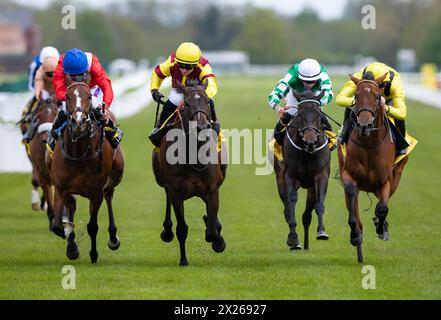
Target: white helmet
(48,52)
(309,70)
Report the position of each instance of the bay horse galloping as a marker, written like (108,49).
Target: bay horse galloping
(186,179)
(306,159)
(84,164)
(369,161)
(45,115)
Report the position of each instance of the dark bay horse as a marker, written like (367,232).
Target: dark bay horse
(369,161)
(85,164)
(45,115)
(186,179)
(306,159)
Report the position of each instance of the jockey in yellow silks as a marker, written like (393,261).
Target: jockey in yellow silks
(185,66)
(393,100)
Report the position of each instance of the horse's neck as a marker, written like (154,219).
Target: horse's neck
(78,148)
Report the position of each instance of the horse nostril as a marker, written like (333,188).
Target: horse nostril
(370,125)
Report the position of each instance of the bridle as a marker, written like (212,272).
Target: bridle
(374,113)
(91,130)
(302,131)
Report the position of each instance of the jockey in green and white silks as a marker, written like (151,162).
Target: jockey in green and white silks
(306,75)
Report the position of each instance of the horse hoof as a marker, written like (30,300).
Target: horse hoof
(36,206)
(72,251)
(59,231)
(384,236)
(167,236)
(183,263)
(113,245)
(292,241)
(93,256)
(219,245)
(296,247)
(322,236)
(357,240)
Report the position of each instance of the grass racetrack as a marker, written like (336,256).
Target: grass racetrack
(256,263)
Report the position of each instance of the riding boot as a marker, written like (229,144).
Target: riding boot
(279,135)
(58,125)
(215,124)
(157,133)
(29,134)
(347,124)
(401,143)
(325,123)
(167,110)
(113,133)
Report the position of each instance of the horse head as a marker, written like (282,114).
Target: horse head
(367,108)
(79,104)
(47,109)
(308,119)
(196,106)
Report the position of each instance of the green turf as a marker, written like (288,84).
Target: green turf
(257,263)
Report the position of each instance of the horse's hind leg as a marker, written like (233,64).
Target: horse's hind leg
(181,226)
(398,171)
(167,234)
(72,251)
(307,215)
(113,243)
(92,226)
(212,232)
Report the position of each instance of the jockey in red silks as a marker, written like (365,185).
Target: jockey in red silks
(77,65)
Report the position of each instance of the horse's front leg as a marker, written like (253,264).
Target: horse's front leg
(47,194)
(291,199)
(72,251)
(381,211)
(167,234)
(92,227)
(321,187)
(212,233)
(351,198)
(57,226)
(113,243)
(181,225)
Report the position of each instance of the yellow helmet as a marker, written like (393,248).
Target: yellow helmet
(188,53)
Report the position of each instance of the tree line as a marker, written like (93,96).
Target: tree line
(151,29)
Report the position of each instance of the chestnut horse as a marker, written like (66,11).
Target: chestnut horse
(45,115)
(369,161)
(306,159)
(184,180)
(84,164)
(29,119)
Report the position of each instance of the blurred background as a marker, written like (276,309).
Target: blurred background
(253,37)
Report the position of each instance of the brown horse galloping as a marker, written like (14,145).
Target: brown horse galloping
(369,161)
(84,164)
(184,180)
(45,115)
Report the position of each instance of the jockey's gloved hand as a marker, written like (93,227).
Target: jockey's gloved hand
(157,96)
(97,113)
